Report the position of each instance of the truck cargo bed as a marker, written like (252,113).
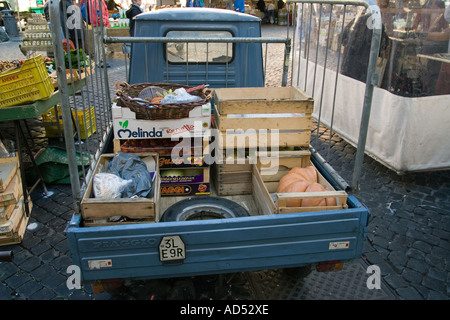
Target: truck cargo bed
(257,242)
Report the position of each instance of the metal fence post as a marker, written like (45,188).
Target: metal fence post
(56,31)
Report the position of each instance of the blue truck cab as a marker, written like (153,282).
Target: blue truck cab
(214,246)
(225,65)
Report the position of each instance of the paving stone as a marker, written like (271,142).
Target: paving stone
(40,248)
(5,293)
(42,272)
(30,264)
(6,270)
(434,284)
(434,295)
(417,265)
(49,255)
(28,288)
(396,281)
(53,279)
(43,294)
(17,280)
(61,263)
(409,293)
(412,276)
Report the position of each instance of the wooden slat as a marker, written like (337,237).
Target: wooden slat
(294,139)
(263,100)
(7,172)
(280,123)
(261,195)
(13,192)
(10,230)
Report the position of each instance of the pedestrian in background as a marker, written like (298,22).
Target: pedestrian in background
(99,19)
(239,5)
(271,12)
(230,5)
(134,10)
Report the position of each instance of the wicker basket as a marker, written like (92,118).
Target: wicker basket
(147,111)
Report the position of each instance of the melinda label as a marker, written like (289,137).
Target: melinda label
(127,133)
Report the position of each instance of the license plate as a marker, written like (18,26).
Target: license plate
(172,249)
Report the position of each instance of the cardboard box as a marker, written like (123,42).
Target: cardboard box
(97,211)
(185,182)
(126,126)
(188,153)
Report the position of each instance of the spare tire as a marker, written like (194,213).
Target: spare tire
(203,208)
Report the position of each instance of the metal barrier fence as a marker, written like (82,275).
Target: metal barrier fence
(319,57)
(84,91)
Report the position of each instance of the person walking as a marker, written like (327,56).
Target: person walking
(99,19)
(133,11)
(239,5)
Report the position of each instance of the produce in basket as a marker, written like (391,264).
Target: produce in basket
(151,92)
(9,65)
(129,96)
(303,180)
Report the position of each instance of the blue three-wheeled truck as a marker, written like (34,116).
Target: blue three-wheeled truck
(248,229)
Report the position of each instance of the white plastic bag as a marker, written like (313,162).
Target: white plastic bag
(109,186)
(180,96)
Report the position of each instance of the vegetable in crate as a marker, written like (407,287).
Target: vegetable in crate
(78,59)
(303,180)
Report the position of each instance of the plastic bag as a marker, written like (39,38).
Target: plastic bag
(129,166)
(108,185)
(180,96)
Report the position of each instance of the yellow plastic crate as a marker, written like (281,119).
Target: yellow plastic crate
(29,83)
(84,127)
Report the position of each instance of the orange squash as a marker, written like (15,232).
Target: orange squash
(331,201)
(303,180)
(286,180)
(314,202)
(309,173)
(295,186)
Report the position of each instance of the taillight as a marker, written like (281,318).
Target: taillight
(325,266)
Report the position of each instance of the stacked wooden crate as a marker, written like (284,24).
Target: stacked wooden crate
(115,211)
(13,217)
(255,121)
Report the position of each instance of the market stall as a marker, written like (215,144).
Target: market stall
(408,128)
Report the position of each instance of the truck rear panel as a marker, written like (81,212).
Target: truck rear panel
(219,246)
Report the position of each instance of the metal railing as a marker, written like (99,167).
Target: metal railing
(319,26)
(84,93)
(229,40)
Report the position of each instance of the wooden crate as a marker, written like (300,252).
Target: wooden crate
(13,191)
(271,202)
(13,229)
(236,178)
(8,168)
(97,211)
(232,179)
(270,117)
